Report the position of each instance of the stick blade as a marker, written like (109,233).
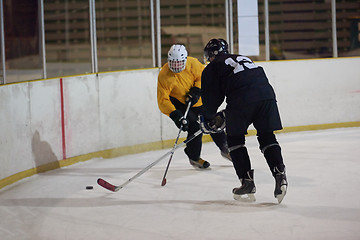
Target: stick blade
(163,183)
(106,185)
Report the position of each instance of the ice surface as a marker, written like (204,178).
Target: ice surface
(323,199)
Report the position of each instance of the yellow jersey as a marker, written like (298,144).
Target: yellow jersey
(178,85)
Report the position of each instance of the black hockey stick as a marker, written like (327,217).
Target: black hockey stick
(115,188)
(163,182)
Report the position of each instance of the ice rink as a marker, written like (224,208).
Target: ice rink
(323,199)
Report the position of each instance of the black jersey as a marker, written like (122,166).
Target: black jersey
(235,77)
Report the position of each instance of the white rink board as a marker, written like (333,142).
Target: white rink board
(15,135)
(128,108)
(82,131)
(46,146)
(118,109)
(316,91)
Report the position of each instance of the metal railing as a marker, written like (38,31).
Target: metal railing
(80,37)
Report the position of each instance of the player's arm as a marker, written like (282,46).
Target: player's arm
(211,94)
(195,92)
(166,106)
(163,98)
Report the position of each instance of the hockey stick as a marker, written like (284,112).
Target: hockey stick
(116,188)
(163,182)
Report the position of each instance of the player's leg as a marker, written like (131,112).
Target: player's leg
(267,121)
(193,148)
(242,165)
(237,123)
(272,153)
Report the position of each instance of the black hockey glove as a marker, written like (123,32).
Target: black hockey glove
(193,95)
(215,125)
(179,120)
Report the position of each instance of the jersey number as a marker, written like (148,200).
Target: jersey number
(241,61)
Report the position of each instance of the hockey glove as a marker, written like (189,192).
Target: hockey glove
(193,95)
(215,125)
(179,120)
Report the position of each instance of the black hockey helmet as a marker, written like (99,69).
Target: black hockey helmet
(215,47)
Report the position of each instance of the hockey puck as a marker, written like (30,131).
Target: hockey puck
(89,187)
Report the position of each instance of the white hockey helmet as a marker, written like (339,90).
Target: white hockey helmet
(177,57)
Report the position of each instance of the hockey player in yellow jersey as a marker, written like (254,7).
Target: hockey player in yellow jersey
(179,83)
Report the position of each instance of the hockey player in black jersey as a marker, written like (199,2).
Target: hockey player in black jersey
(250,99)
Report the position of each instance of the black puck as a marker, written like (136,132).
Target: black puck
(89,187)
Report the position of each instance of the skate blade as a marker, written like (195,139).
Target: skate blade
(245,197)
(281,196)
(201,168)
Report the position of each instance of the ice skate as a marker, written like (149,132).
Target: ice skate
(247,190)
(201,163)
(280,183)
